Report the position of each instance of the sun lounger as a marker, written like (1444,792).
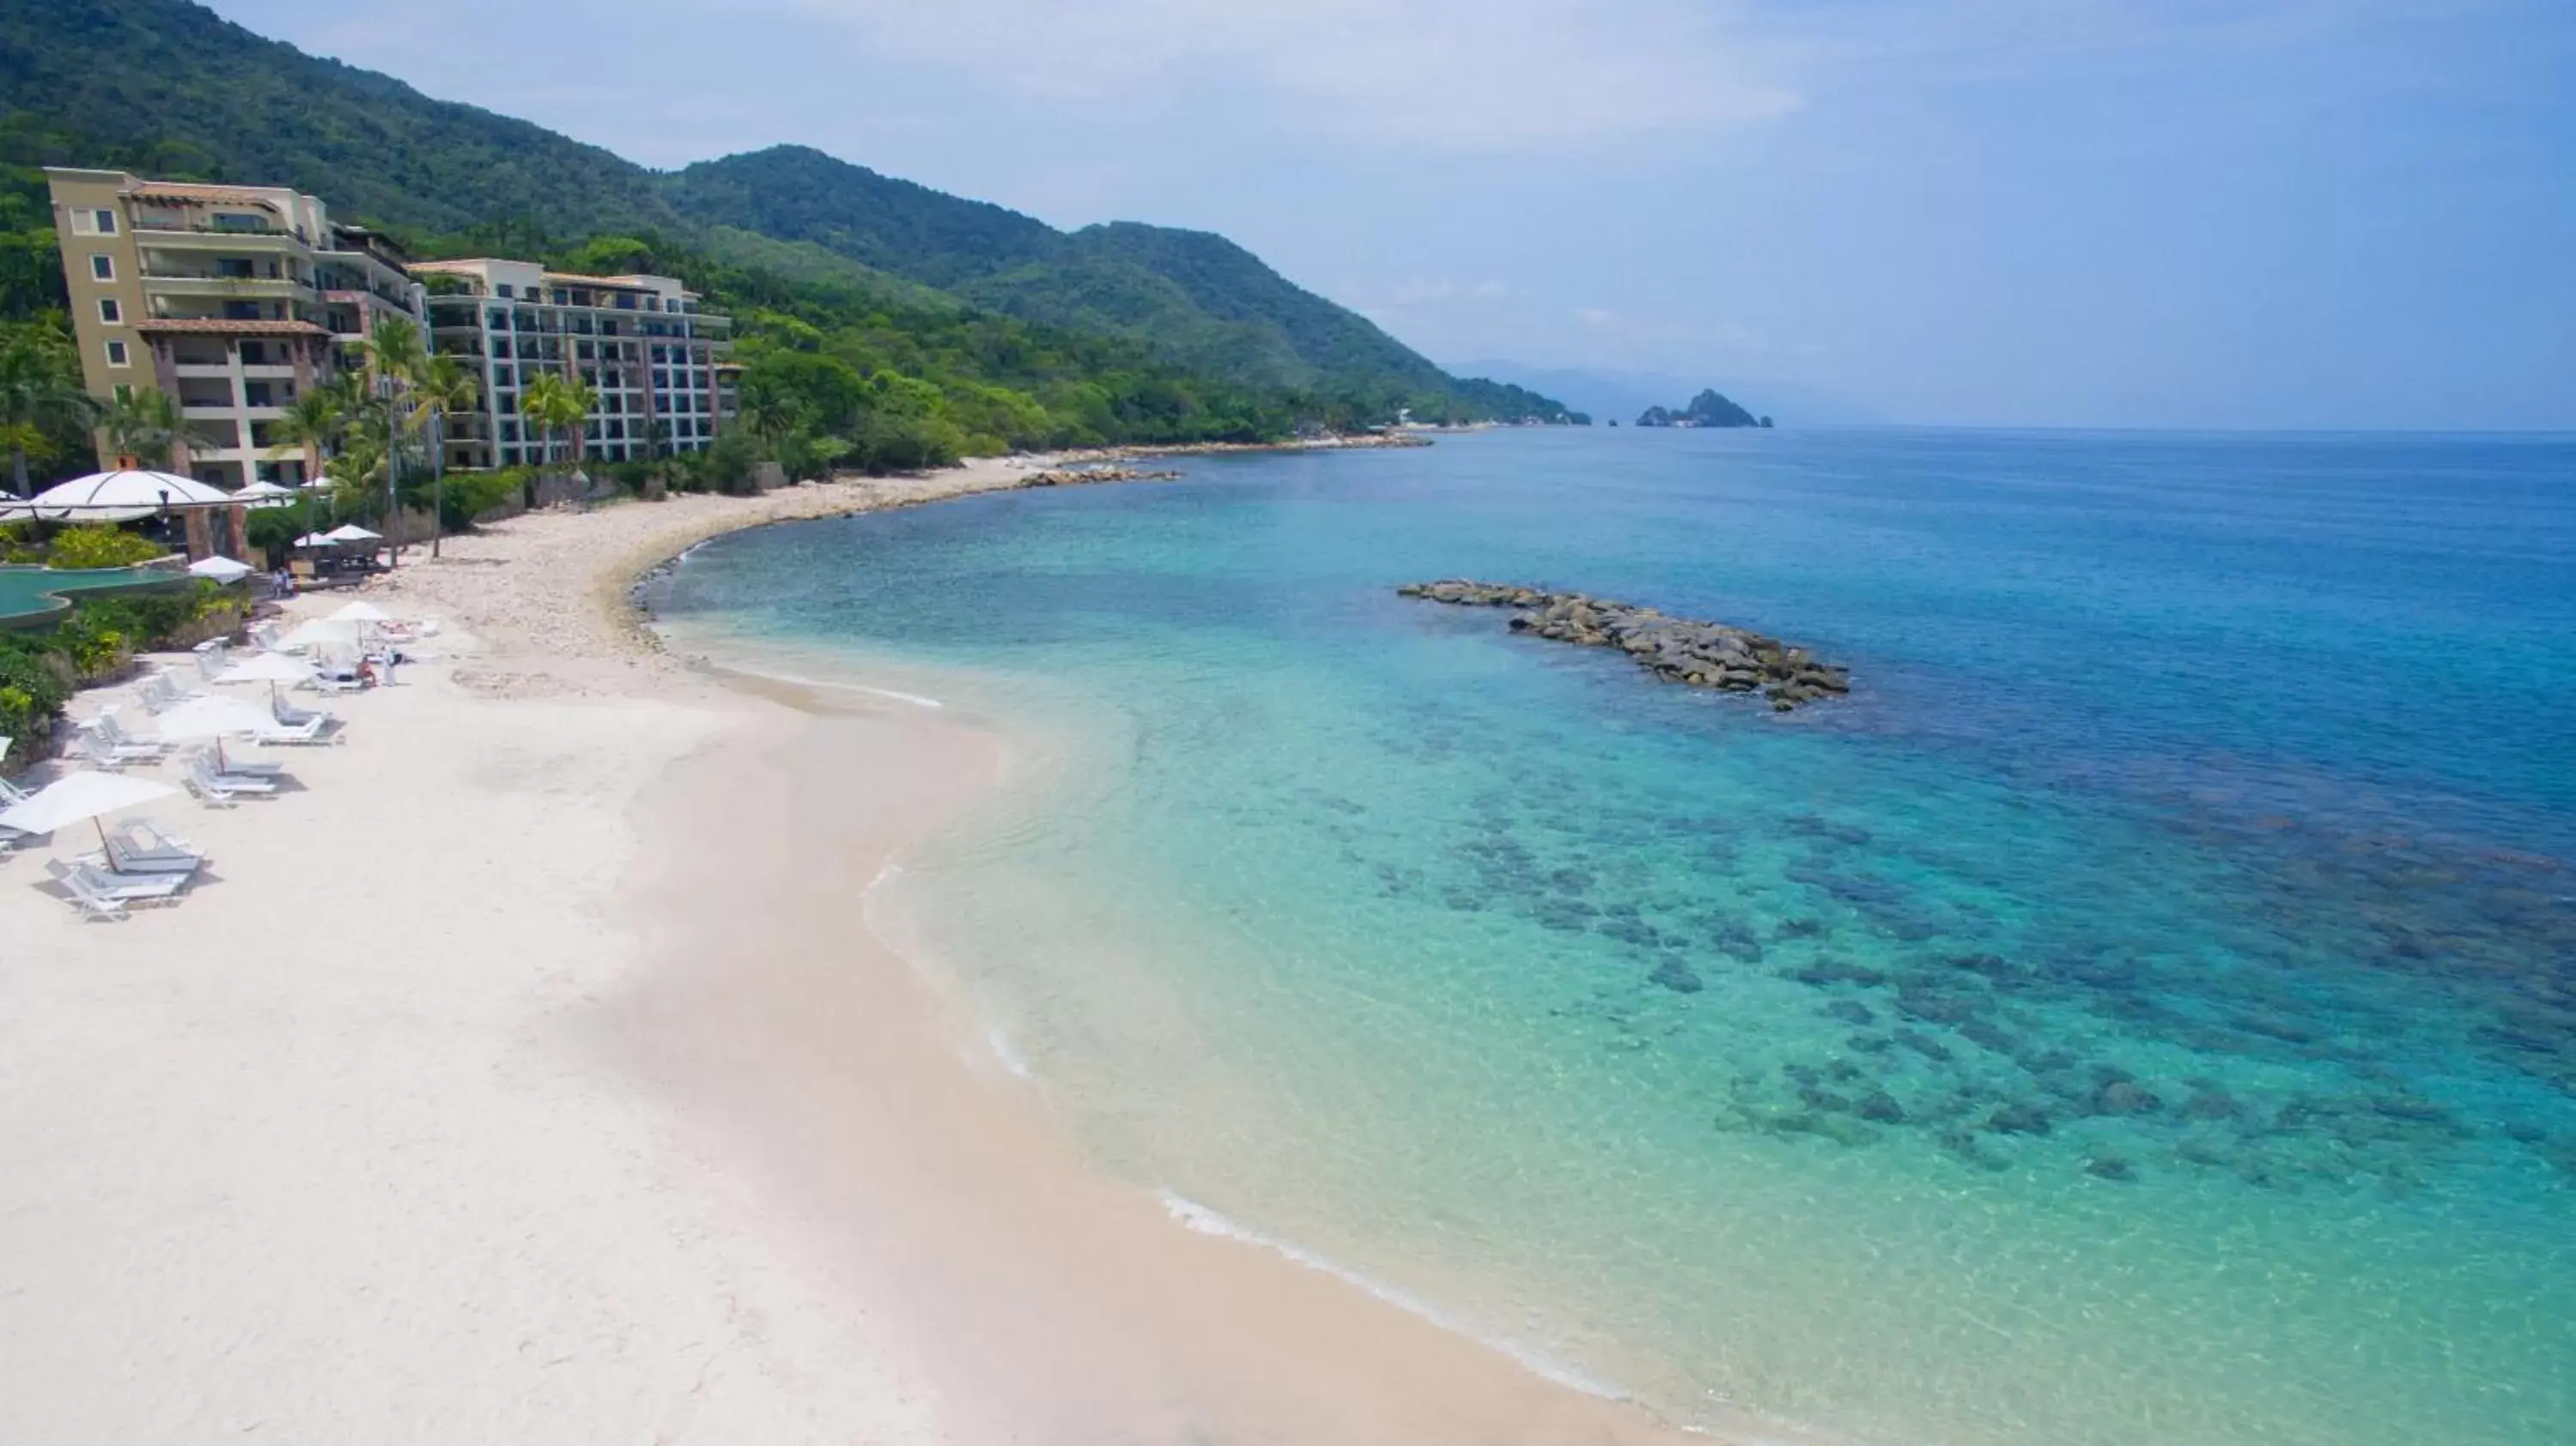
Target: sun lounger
(220,763)
(11,793)
(223,790)
(123,860)
(311,732)
(107,742)
(150,837)
(290,716)
(89,882)
(130,888)
(92,904)
(162,692)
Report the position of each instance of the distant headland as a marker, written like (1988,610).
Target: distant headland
(1708,409)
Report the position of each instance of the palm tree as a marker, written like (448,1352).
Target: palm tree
(554,404)
(145,425)
(771,411)
(445,388)
(396,358)
(311,424)
(40,397)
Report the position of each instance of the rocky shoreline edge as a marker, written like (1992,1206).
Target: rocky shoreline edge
(1678,650)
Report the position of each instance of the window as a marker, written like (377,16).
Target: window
(109,313)
(124,392)
(116,356)
(507,291)
(102,267)
(88,222)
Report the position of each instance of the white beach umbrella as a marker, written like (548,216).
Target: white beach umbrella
(361,612)
(213,718)
(77,797)
(265,494)
(320,632)
(317,539)
(267,668)
(122,496)
(352,532)
(220,569)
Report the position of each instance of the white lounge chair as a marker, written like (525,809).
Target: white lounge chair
(221,763)
(150,837)
(107,743)
(85,879)
(290,716)
(266,638)
(92,904)
(223,790)
(162,692)
(312,733)
(122,858)
(11,794)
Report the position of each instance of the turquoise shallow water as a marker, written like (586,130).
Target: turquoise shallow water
(2146,1012)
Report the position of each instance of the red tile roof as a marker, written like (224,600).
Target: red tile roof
(216,326)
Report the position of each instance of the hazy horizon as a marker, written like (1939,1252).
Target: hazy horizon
(2285,214)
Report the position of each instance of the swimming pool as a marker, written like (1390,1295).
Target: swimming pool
(36,597)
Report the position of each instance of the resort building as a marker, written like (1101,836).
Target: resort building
(232,299)
(659,365)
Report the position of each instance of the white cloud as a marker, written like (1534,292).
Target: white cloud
(1453,76)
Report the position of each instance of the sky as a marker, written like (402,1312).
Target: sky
(2089,213)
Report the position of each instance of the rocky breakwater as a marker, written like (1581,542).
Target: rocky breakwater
(1094,476)
(1702,655)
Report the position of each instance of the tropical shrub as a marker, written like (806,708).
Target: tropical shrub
(102,546)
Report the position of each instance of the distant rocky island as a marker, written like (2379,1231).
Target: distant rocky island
(1708,409)
(1703,655)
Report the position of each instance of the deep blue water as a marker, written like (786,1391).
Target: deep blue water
(2144,1011)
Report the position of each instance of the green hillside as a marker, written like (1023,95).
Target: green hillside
(171,89)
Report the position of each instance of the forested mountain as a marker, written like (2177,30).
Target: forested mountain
(1198,298)
(170,88)
(1708,409)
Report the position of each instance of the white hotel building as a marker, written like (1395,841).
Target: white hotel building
(660,366)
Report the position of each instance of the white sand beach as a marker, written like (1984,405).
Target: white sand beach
(527,1074)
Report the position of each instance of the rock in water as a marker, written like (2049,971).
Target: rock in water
(1677,650)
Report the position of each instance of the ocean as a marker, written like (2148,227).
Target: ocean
(2143,1012)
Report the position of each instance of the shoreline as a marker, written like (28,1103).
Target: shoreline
(533,1012)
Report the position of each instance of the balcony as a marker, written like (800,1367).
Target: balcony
(237,287)
(198,236)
